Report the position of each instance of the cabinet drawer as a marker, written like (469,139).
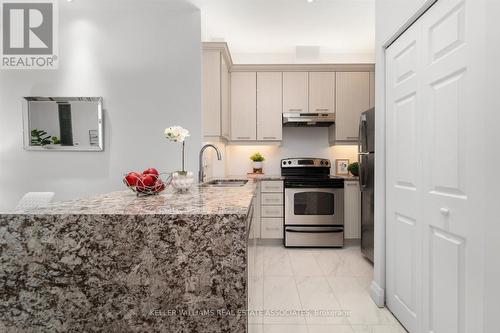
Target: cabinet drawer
(271,211)
(271,186)
(272,228)
(269,199)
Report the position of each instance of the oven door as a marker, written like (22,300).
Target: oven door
(314,206)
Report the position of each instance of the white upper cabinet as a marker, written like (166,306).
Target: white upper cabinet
(269,106)
(352,98)
(295,92)
(211,93)
(225,100)
(321,92)
(243,106)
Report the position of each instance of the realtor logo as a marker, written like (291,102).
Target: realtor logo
(29,34)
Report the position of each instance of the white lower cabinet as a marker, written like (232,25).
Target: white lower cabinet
(270,206)
(352,210)
(256,213)
(272,227)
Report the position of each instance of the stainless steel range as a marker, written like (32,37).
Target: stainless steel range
(314,204)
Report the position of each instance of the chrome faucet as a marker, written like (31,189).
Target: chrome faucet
(201,173)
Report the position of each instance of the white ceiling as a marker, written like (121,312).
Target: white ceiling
(268,31)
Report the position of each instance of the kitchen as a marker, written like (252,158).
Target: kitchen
(280,217)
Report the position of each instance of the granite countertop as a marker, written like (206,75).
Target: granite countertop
(116,262)
(198,201)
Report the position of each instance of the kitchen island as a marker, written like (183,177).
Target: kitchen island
(121,263)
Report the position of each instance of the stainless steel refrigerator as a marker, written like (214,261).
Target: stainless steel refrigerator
(366,153)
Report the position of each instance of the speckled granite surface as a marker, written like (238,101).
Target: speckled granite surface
(118,263)
(199,200)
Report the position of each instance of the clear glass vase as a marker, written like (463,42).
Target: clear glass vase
(182,182)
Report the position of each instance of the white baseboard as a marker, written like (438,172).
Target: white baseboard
(377,294)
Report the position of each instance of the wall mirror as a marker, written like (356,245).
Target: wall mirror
(63,123)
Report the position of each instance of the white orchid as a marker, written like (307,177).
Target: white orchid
(176,133)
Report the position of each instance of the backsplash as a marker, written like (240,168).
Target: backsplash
(297,142)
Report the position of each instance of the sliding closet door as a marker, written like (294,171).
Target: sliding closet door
(452,188)
(404,225)
(434,193)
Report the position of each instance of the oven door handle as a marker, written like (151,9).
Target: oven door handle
(337,230)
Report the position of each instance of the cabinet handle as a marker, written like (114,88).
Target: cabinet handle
(294,109)
(243,137)
(352,137)
(322,110)
(269,138)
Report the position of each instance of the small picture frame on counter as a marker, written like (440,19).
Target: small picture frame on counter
(341,167)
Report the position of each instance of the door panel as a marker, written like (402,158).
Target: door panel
(295,92)
(446,289)
(321,92)
(451,194)
(403,186)
(269,106)
(435,198)
(211,93)
(352,97)
(243,106)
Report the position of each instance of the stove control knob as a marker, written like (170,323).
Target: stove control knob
(321,162)
(289,162)
(284,162)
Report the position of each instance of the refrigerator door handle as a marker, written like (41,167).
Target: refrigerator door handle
(362,185)
(361,153)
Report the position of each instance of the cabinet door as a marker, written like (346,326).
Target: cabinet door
(352,210)
(321,91)
(269,106)
(225,98)
(352,98)
(243,106)
(211,93)
(272,228)
(295,91)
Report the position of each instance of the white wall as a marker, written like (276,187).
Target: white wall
(390,16)
(144,58)
(291,58)
(297,142)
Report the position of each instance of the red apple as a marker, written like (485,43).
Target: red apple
(151,171)
(148,180)
(159,186)
(140,188)
(132,178)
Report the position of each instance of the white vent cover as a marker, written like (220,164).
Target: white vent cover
(307,53)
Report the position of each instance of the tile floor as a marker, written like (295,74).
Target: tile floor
(288,287)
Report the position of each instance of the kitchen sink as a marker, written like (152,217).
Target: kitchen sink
(226,183)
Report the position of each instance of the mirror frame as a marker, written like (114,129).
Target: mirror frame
(27,133)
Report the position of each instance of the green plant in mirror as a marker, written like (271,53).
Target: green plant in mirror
(353,168)
(40,138)
(257,157)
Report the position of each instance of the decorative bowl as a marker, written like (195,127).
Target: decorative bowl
(161,183)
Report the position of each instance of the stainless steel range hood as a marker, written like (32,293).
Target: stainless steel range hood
(308,119)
